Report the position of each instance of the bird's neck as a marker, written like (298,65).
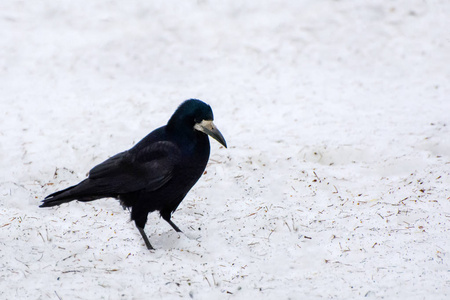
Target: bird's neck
(187,137)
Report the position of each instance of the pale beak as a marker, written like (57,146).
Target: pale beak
(208,127)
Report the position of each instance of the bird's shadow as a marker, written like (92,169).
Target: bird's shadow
(192,235)
(172,239)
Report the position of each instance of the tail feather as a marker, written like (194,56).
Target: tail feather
(82,192)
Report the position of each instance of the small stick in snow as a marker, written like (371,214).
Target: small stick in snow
(287,226)
(337,192)
(207,280)
(57,295)
(317,176)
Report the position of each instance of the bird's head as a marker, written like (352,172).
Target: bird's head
(198,115)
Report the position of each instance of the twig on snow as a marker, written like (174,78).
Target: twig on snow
(317,176)
(57,295)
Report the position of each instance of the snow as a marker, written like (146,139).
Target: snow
(335,183)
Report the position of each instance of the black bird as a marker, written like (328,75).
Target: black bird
(157,173)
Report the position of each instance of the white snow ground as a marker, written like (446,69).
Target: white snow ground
(335,183)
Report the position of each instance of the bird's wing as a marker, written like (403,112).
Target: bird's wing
(148,168)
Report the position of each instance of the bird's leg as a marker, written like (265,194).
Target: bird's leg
(140,220)
(166,217)
(144,236)
(173,225)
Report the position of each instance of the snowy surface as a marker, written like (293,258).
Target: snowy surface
(336,182)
